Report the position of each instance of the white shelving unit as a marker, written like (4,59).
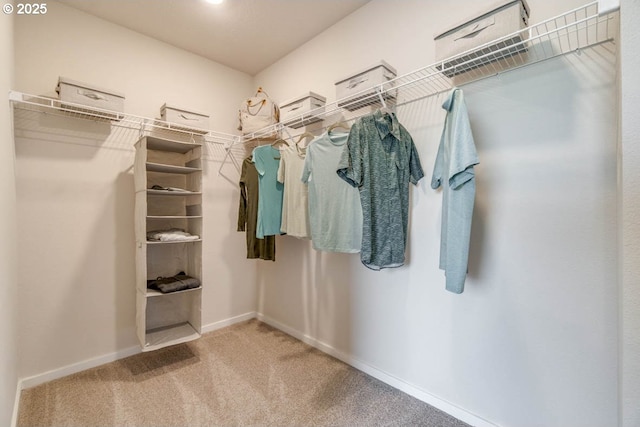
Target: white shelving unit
(172,318)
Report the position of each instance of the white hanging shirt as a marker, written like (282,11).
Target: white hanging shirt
(295,203)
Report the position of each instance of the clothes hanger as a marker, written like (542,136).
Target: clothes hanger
(279,141)
(303,136)
(384,109)
(340,124)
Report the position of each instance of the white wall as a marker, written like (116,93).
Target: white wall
(8,270)
(533,339)
(76,194)
(630,214)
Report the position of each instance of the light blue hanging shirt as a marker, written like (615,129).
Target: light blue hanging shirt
(453,171)
(334,206)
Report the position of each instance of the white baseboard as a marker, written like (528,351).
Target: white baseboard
(228,322)
(393,381)
(16,404)
(54,374)
(112,357)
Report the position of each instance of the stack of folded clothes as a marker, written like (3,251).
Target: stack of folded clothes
(179,282)
(160,187)
(171,235)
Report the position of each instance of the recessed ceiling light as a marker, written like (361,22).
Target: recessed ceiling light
(214,1)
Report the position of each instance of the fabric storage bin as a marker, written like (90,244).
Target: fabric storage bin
(181,116)
(352,92)
(291,111)
(91,96)
(496,22)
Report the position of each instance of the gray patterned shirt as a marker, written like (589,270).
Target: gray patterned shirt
(380,160)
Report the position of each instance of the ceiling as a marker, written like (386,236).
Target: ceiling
(247,35)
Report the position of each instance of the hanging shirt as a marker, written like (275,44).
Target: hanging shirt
(380,161)
(454,172)
(334,207)
(295,202)
(267,160)
(248,215)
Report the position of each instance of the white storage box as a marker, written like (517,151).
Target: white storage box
(352,92)
(291,112)
(91,96)
(189,119)
(502,19)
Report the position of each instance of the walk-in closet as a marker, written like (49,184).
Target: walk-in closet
(320,212)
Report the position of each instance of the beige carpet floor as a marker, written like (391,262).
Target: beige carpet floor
(249,374)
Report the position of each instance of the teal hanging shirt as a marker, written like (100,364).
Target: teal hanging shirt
(454,171)
(270,191)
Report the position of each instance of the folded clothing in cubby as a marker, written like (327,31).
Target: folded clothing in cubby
(171,235)
(179,282)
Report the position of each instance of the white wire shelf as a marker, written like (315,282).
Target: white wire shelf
(28,104)
(570,32)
